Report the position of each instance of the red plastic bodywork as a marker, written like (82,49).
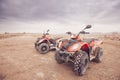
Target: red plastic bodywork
(77,46)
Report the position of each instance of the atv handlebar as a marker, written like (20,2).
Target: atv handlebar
(83,31)
(47,33)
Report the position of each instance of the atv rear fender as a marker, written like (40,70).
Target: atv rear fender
(42,41)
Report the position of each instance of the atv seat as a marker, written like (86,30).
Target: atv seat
(52,41)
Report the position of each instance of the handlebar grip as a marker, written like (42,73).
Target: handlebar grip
(83,32)
(87,33)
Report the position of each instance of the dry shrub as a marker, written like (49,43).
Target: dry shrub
(112,36)
(2,77)
(9,35)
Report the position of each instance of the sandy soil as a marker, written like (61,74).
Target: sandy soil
(20,61)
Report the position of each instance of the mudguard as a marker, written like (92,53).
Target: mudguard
(98,43)
(42,40)
(61,43)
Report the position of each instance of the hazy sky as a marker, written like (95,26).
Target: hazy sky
(59,15)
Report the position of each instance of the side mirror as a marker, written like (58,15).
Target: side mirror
(48,30)
(88,26)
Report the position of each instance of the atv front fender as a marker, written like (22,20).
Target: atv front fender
(98,43)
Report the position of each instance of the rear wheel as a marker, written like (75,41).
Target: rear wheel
(58,58)
(98,54)
(43,48)
(81,63)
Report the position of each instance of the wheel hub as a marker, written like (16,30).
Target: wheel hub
(44,48)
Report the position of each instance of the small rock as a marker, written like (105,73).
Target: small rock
(40,74)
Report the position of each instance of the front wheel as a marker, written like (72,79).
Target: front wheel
(81,63)
(58,58)
(43,48)
(98,54)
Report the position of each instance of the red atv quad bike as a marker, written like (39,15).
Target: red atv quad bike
(46,43)
(78,51)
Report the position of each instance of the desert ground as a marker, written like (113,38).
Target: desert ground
(20,61)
